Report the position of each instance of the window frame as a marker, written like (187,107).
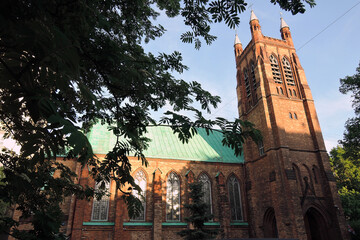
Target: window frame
(247,83)
(143,192)
(95,201)
(172,173)
(204,175)
(288,73)
(261,148)
(275,69)
(232,182)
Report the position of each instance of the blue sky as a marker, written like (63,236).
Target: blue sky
(333,54)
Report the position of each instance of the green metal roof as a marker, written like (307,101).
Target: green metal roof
(166,145)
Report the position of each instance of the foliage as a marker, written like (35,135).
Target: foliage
(346,159)
(66,64)
(198,215)
(3,205)
(346,170)
(347,174)
(351,141)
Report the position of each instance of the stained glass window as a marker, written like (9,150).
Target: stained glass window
(140,180)
(173,197)
(206,189)
(100,208)
(235,199)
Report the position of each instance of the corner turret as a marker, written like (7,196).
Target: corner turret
(237,46)
(285,32)
(255,27)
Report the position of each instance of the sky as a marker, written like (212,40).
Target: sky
(333,54)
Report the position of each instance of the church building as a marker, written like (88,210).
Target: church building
(282,187)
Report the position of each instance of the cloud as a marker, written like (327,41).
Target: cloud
(330,144)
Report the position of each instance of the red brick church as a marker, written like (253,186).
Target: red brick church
(281,188)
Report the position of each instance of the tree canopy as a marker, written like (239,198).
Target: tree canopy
(351,140)
(345,159)
(347,174)
(65,65)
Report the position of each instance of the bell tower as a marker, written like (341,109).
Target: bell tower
(290,189)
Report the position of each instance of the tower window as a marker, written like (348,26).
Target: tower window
(253,75)
(140,180)
(247,83)
(100,208)
(290,92)
(288,73)
(294,92)
(261,148)
(295,116)
(290,115)
(277,90)
(275,69)
(281,91)
(173,197)
(235,199)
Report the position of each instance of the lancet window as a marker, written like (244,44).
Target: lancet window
(288,72)
(275,69)
(100,208)
(253,75)
(140,180)
(206,189)
(247,83)
(173,197)
(235,199)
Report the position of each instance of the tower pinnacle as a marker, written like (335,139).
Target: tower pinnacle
(285,31)
(255,27)
(283,23)
(237,40)
(253,16)
(237,46)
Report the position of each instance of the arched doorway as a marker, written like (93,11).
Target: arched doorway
(315,224)
(270,227)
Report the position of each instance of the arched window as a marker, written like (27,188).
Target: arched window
(275,69)
(281,91)
(290,115)
(173,197)
(253,75)
(235,199)
(290,92)
(247,83)
(206,189)
(294,92)
(289,78)
(100,208)
(277,90)
(295,116)
(140,180)
(261,148)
